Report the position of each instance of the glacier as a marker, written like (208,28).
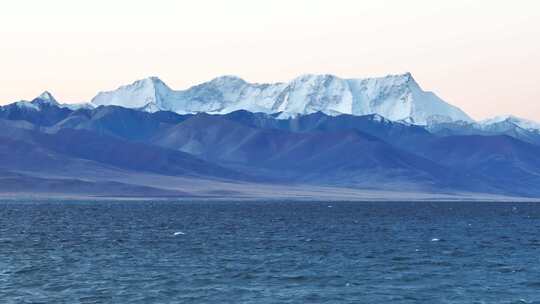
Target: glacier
(395,97)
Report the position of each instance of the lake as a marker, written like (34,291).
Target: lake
(269,252)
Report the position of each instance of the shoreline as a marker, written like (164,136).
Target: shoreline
(369,197)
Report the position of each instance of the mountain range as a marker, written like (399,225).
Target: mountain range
(396,97)
(314,135)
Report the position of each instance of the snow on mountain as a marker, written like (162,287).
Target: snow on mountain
(136,95)
(508,120)
(396,97)
(26,105)
(78,106)
(47,99)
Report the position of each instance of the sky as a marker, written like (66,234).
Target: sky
(482,56)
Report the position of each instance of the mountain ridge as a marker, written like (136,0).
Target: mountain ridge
(221,95)
(118,144)
(396,97)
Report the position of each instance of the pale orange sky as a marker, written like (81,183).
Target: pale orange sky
(482,56)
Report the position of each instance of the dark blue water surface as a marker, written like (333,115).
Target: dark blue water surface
(269,252)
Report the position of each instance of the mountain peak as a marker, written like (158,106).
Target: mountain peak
(407,75)
(138,94)
(156,80)
(227,79)
(399,79)
(45,97)
(511,119)
(148,81)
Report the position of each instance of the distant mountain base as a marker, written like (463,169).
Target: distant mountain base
(110,151)
(20,186)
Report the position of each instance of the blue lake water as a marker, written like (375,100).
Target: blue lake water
(269,252)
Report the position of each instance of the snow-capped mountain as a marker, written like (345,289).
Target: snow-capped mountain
(44,99)
(523,129)
(45,138)
(47,99)
(77,106)
(507,121)
(396,97)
